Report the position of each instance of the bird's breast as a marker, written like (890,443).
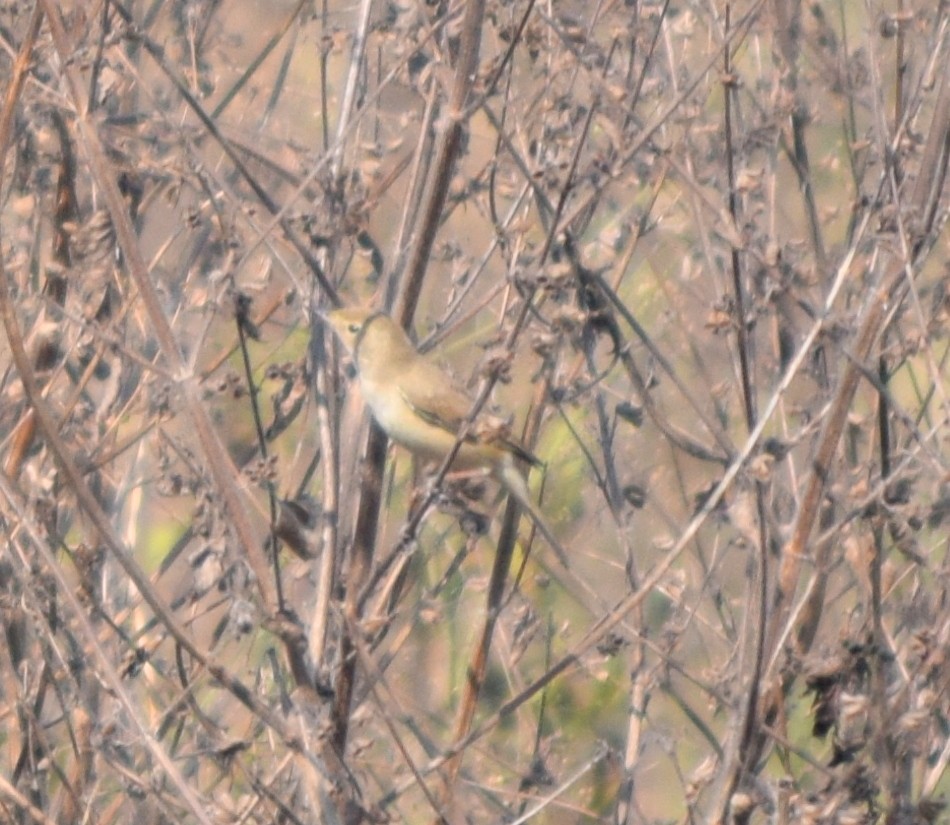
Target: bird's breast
(403,424)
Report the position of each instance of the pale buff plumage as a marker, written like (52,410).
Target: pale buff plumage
(421,408)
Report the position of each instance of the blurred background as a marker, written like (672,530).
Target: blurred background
(694,253)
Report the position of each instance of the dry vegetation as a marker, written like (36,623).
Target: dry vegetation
(695,247)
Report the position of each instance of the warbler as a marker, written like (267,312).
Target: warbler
(419,406)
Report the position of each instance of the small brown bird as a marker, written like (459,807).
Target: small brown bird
(420,407)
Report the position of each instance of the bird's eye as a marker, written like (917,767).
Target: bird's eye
(354,328)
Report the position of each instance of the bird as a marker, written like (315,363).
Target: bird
(420,407)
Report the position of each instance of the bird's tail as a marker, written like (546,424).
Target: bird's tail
(514,483)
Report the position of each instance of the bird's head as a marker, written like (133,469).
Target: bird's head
(348,324)
(374,340)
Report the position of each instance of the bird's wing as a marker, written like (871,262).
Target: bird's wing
(432,393)
(437,399)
